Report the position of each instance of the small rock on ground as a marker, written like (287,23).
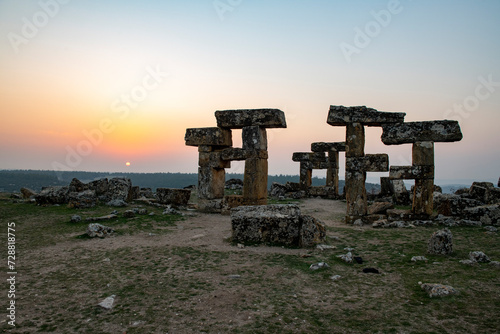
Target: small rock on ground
(108,302)
(478,256)
(438,290)
(319,265)
(419,258)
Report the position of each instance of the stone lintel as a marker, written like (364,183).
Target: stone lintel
(235,153)
(208,137)
(411,172)
(240,118)
(309,156)
(340,115)
(368,163)
(428,131)
(314,165)
(327,147)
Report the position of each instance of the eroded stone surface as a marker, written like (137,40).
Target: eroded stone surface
(173,196)
(340,115)
(438,290)
(326,147)
(208,136)
(240,118)
(411,132)
(441,243)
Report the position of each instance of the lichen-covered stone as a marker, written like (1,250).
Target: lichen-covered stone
(211,182)
(312,232)
(368,163)
(254,138)
(77,186)
(240,118)
(486,214)
(276,224)
(453,205)
(173,196)
(411,172)
(309,156)
(208,136)
(411,132)
(98,230)
(82,199)
(479,256)
(119,188)
(438,290)
(326,147)
(441,243)
(213,160)
(340,115)
(52,195)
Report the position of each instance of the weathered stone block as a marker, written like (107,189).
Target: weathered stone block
(453,205)
(309,156)
(277,224)
(441,243)
(380,207)
(211,182)
(173,196)
(355,140)
(27,193)
(254,138)
(213,159)
(208,136)
(312,232)
(411,172)
(82,200)
(486,214)
(368,163)
(411,132)
(119,188)
(327,147)
(52,195)
(234,154)
(238,119)
(340,115)
(255,181)
(423,153)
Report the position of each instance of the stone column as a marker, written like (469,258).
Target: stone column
(355,191)
(423,193)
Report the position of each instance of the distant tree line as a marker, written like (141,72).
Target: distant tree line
(13,180)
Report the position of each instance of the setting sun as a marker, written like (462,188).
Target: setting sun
(127,164)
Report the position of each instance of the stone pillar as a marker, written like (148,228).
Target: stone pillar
(422,135)
(357,164)
(355,191)
(423,193)
(332,171)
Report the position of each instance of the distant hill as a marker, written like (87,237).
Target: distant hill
(13,180)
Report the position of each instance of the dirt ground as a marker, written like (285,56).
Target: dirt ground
(188,277)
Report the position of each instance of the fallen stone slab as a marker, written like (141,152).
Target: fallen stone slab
(27,193)
(107,217)
(340,115)
(453,205)
(280,224)
(173,196)
(52,195)
(83,199)
(379,208)
(240,118)
(412,132)
(486,214)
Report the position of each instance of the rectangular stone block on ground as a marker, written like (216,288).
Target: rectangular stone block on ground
(340,115)
(173,196)
(411,132)
(277,224)
(240,118)
(208,136)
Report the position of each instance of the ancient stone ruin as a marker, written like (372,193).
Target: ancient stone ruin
(357,162)
(422,135)
(318,159)
(216,153)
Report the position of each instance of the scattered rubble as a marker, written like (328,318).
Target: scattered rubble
(438,290)
(98,230)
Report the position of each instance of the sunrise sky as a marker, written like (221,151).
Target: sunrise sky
(90,85)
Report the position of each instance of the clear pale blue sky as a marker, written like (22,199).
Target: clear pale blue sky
(426,58)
